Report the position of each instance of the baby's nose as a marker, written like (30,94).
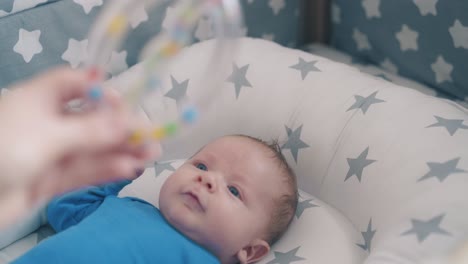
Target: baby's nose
(208,181)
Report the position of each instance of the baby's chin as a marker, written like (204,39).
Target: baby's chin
(179,221)
(193,234)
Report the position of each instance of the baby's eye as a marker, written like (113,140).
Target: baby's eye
(234,191)
(201,166)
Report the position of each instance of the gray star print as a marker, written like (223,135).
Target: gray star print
(238,78)
(364,103)
(294,142)
(160,167)
(423,229)
(178,91)
(305,67)
(452,125)
(301,206)
(356,166)
(442,170)
(368,235)
(285,258)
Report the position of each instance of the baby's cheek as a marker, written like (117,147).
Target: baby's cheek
(234,217)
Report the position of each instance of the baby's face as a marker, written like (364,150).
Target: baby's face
(222,197)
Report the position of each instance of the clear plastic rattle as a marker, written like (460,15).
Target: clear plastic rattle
(112,26)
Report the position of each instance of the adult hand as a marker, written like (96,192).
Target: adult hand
(46,150)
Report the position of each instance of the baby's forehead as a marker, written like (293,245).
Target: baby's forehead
(237,142)
(240,149)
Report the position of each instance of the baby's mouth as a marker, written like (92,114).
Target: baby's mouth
(193,201)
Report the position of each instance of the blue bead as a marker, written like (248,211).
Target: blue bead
(95,93)
(190,115)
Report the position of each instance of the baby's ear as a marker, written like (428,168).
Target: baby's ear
(253,252)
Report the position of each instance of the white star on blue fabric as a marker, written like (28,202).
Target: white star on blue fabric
(442,70)
(336,13)
(357,165)
(408,38)
(139,16)
(364,103)
(442,170)
(285,258)
(362,42)
(276,5)
(367,236)
(238,78)
(303,205)
(76,53)
(371,7)
(268,36)
(88,5)
(452,125)
(422,229)
(305,67)
(459,34)
(160,167)
(28,44)
(178,90)
(389,66)
(426,6)
(294,142)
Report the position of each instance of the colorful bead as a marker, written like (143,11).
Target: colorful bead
(190,115)
(117,25)
(170,49)
(95,93)
(158,133)
(136,137)
(176,39)
(171,128)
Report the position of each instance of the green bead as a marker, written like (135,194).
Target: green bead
(171,128)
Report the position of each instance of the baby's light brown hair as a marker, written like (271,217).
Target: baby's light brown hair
(284,206)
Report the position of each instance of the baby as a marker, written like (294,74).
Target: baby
(227,204)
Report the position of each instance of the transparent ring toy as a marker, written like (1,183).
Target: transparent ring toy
(112,26)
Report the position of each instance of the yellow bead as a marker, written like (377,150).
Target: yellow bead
(136,137)
(117,25)
(170,49)
(158,133)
